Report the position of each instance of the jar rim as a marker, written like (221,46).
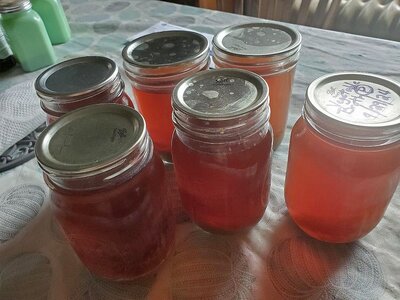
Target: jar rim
(273,56)
(134,66)
(339,105)
(260,95)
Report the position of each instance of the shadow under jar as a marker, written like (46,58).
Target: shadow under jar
(344,156)
(80,82)
(155,63)
(269,49)
(222,147)
(107,190)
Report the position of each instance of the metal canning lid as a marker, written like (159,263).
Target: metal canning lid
(10,6)
(263,42)
(77,78)
(220,94)
(165,53)
(90,140)
(355,107)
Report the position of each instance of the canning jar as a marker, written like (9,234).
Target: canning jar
(79,82)
(344,156)
(222,147)
(269,49)
(107,190)
(155,63)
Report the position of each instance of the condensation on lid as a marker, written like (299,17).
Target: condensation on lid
(165,48)
(222,93)
(79,75)
(257,39)
(89,138)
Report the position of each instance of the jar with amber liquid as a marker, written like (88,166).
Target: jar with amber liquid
(155,63)
(107,190)
(344,156)
(222,148)
(80,82)
(269,49)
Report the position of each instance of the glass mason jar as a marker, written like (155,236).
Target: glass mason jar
(269,49)
(80,82)
(107,190)
(344,156)
(222,147)
(155,63)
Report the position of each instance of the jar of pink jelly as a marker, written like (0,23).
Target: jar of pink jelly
(155,63)
(108,190)
(344,156)
(222,148)
(269,49)
(80,82)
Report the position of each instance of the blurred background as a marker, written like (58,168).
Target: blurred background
(375,18)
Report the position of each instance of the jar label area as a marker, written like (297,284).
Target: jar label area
(359,101)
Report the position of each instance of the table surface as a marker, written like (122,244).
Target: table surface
(274,260)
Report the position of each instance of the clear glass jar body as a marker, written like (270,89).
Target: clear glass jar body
(336,192)
(121,230)
(67,106)
(224,186)
(153,98)
(280,82)
(156,108)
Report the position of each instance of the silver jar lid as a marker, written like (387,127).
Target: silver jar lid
(220,94)
(262,42)
(355,108)
(165,53)
(90,141)
(10,6)
(77,78)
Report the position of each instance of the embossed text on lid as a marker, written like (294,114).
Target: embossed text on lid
(221,93)
(257,39)
(89,138)
(74,76)
(165,48)
(355,105)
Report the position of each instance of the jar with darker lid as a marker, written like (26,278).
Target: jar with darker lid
(79,82)
(269,49)
(344,156)
(222,148)
(108,190)
(155,63)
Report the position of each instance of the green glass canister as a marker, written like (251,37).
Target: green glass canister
(53,16)
(26,35)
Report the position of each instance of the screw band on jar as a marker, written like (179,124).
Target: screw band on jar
(222,148)
(162,59)
(79,82)
(355,108)
(267,47)
(222,88)
(111,140)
